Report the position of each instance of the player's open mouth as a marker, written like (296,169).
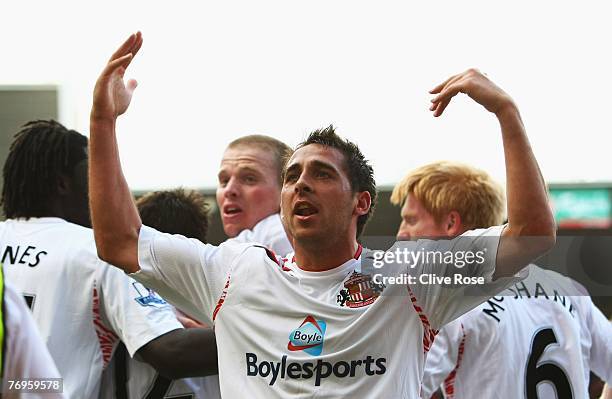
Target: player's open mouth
(231,211)
(304,210)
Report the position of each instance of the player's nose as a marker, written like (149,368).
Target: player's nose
(303,184)
(231,189)
(402,234)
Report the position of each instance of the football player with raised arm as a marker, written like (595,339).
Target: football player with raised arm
(537,339)
(280,329)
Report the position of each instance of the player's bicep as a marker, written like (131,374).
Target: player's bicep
(517,250)
(189,274)
(512,254)
(121,252)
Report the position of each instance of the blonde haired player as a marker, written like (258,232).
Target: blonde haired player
(454,196)
(539,338)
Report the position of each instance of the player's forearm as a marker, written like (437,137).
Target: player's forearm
(183,353)
(197,356)
(115,219)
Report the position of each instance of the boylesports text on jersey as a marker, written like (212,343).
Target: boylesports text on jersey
(318,370)
(309,337)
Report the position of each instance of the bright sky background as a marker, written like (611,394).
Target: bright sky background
(209,72)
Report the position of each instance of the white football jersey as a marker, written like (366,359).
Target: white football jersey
(82,306)
(268,232)
(539,336)
(25,354)
(285,332)
(142,381)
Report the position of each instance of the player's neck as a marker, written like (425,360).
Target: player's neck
(318,258)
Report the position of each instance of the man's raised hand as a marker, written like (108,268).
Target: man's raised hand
(111,95)
(476,85)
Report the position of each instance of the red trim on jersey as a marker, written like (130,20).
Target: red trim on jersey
(106,337)
(429,334)
(221,299)
(275,258)
(449,382)
(283,267)
(270,254)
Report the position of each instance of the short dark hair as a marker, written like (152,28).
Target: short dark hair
(359,170)
(41,153)
(280,150)
(177,211)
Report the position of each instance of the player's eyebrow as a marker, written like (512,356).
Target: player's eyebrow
(324,165)
(248,169)
(241,169)
(293,168)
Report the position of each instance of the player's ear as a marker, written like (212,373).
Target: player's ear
(364,201)
(453,224)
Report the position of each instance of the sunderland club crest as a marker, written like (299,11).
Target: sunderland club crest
(359,290)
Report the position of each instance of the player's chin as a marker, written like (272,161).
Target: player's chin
(307,232)
(232,229)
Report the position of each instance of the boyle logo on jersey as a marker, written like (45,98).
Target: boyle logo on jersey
(148,297)
(308,337)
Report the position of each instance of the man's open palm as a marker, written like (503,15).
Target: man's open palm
(112,95)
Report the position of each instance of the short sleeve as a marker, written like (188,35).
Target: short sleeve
(451,277)
(189,274)
(135,313)
(442,358)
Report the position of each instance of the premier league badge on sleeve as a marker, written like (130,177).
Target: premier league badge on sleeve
(147,297)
